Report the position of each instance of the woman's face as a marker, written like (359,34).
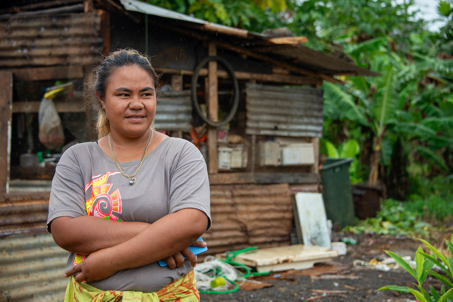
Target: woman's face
(130,101)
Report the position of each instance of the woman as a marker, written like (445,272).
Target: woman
(130,199)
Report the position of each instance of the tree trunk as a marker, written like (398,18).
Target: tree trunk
(374,161)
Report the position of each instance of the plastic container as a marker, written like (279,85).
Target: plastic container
(337,192)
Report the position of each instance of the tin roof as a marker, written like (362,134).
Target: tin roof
(295,55)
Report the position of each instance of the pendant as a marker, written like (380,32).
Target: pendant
(131,181)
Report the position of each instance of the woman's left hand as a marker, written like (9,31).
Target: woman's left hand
(95,267)
(178,259)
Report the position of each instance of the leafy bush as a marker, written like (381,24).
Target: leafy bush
(424,267)
(393,219)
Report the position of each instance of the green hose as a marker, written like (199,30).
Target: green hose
(248,271)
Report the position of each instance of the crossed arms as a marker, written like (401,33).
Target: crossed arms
(113,246)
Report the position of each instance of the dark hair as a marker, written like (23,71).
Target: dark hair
(119,58)
(116,59)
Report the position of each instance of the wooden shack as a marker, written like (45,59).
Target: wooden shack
(251,102)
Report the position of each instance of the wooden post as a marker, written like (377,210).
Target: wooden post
(6,101)
(105,31)
(315,167)
(88,6)
(91,105)
(212,89)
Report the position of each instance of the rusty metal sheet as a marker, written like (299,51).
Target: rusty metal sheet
(280,111)
(245,215)
(174,111)
(32,268)
(23,216)
(50,40)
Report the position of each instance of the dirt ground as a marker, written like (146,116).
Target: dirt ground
(346,278)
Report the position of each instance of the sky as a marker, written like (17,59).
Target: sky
(428,11)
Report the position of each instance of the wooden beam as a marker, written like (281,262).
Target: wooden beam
(58,10)
(264,178)
(6,99)
(288,40)
(48,73)
(213,104)
(75,105)
(85,59)
(241,75)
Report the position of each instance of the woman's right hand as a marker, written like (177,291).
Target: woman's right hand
(178,259)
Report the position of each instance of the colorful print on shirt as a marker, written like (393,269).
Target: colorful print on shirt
(103,203)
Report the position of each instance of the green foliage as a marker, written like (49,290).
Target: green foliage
(348,149)
(424,266)
(248,14)
(393,219)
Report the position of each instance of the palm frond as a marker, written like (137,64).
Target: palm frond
(432,157)
(339,105)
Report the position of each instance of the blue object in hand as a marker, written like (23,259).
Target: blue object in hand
(195,249)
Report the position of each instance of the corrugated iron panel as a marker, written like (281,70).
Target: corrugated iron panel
(174,111)
(278,111)
(23,216)
(32,268)
(245,215)
(50,40)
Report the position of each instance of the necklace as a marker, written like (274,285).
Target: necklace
(131,177)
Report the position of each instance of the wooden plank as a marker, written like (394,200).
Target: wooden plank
(291,178)
(36,6)
(81,20)
(311,216)
(288,40)
(51,33)
(6,99)
(285,257)
(213,104)
(49,11)
(75,105)
(264,178)
(39,61)
(40,43)
(48,73)
(231,178)
(53,50)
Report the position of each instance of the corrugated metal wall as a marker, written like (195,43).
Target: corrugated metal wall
(50,40)
(31,268)
(174,111)
(24,216)
(279,111)
(249,215)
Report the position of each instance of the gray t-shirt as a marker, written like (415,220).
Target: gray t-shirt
(87,182)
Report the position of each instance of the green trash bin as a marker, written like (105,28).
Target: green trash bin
(337,192)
